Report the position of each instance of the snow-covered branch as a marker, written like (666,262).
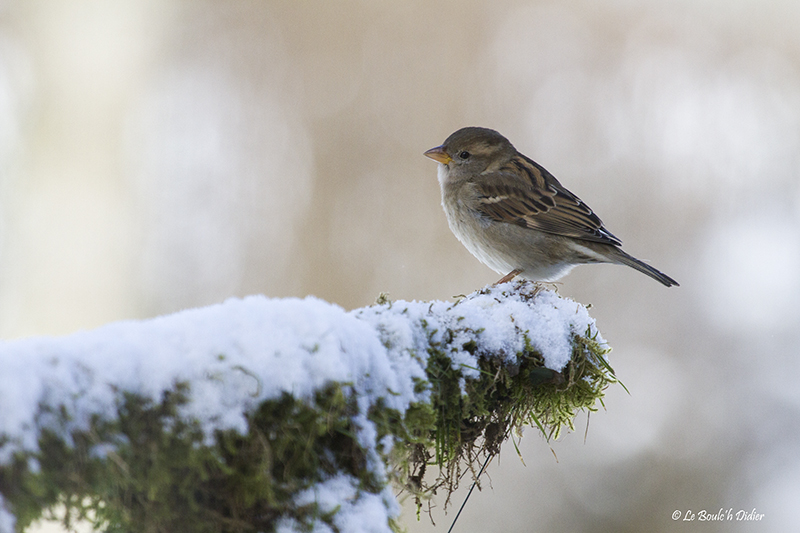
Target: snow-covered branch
(260,414)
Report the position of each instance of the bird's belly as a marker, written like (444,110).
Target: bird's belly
(505,247)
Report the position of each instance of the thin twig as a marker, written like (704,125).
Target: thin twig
(474,482)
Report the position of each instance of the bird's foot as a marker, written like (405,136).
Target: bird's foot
(508,277)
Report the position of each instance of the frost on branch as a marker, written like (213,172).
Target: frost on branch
(284,415)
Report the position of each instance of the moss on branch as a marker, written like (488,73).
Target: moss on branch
(150,469)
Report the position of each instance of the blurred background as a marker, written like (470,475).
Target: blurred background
(163,154)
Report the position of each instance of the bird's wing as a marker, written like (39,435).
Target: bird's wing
(525,194)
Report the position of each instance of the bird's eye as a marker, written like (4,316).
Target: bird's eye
(464,155)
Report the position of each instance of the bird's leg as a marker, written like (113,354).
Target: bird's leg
(508,277)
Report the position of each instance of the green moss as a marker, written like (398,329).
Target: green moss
(506,397)
(148,470)
(160,477)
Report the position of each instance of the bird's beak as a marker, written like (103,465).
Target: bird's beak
(438,154)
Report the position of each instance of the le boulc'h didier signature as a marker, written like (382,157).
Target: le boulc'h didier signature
(722,515)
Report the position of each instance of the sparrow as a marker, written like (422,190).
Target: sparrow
(515,217)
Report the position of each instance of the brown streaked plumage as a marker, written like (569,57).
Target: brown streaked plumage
(515,216)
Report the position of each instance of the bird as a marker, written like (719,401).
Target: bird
(516,217)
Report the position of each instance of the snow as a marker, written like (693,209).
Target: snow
(358,512)
(239,353)
(495,317)
(235,355)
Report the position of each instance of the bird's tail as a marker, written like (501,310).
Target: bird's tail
(626,259)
